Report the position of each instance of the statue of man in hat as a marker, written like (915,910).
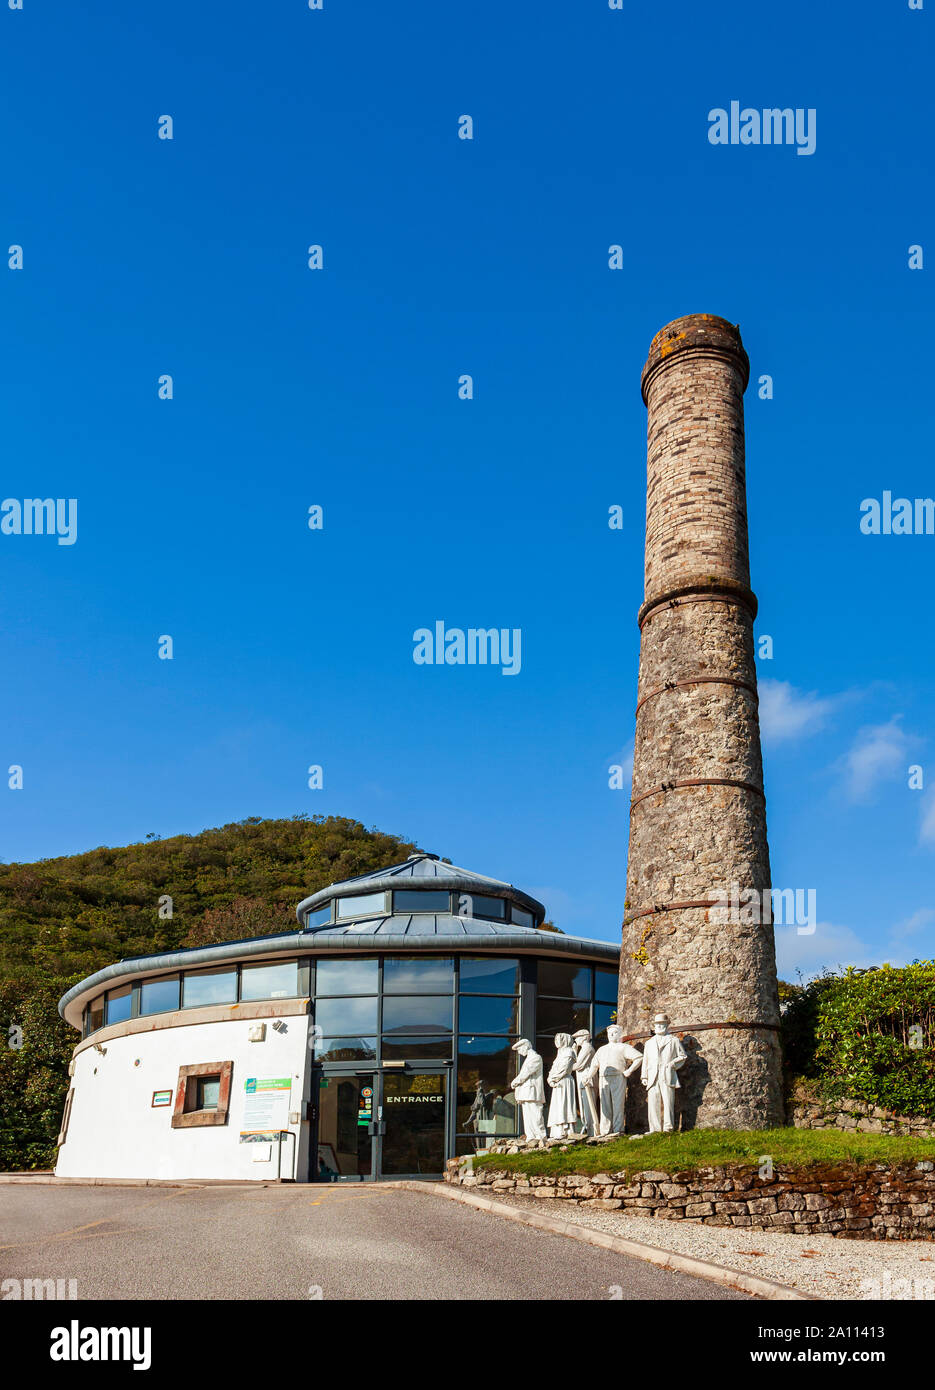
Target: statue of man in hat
(612,1064)
(663,1054)
(587,1105)
(529,1089)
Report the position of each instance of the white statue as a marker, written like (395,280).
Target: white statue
(663,1054)
(563,1107)
(610,1066)
(587,1105)
(530,1090)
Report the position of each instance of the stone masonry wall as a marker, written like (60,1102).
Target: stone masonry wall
(857,1117)
(874,1202)
(696,510)
(698,812)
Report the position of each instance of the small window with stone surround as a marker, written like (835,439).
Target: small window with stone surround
(202,1096)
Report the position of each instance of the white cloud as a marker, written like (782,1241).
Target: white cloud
(787,713)
(830,947)
(927,828)
(923,918)
(879,753)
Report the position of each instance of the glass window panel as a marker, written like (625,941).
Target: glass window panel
(486,1107)
(96,1014)
(417,975)
(561,1016)
(340,1017)
(416,1014)
(480,1014)
(345,1144)
(489,975)
(605,985)
(319,917)
(428,900)
(603,1014)
(346,977)
(570,981)
(367,905)
(118,1004)
(479,906)
(470,1144)
(346,1050)
(545,1046)
(209,987)
(521,918)
(159,996)
(416,1048)
(277,981)
(208,1092)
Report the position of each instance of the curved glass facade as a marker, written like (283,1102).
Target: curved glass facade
(411,1052)
(395,1006)
(402,995)
(191,989)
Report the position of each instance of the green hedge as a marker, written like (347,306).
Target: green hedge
(867,1034)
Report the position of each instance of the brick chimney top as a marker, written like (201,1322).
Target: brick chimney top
(704,334)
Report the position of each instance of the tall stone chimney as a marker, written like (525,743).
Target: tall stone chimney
(698,810)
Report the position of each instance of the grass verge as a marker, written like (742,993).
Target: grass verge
(706,1148)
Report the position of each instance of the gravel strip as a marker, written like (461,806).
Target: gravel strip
(820,1264)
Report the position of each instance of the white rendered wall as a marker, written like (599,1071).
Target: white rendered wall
(114,1131)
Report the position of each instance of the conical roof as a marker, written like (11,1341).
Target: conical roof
(422,871)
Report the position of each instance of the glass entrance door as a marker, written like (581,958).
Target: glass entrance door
(345,1127)
(414,1111)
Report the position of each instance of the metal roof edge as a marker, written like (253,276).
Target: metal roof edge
(307,943)
(443,883)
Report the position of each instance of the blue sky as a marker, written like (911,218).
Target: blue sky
(339,388)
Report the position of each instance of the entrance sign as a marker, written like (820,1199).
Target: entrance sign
(266,1108)
(414,1112)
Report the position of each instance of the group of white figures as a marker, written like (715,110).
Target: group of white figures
(589,1088)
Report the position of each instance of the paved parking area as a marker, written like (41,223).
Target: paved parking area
(301,1242)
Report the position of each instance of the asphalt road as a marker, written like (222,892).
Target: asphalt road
(302,1242)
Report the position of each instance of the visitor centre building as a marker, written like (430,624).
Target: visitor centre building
(374,1042)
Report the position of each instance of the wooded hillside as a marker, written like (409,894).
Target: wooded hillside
(62,919)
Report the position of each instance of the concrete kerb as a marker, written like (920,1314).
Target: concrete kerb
(620,1245)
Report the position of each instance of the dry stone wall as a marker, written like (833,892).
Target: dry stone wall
(857,1117)
(877,1201)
